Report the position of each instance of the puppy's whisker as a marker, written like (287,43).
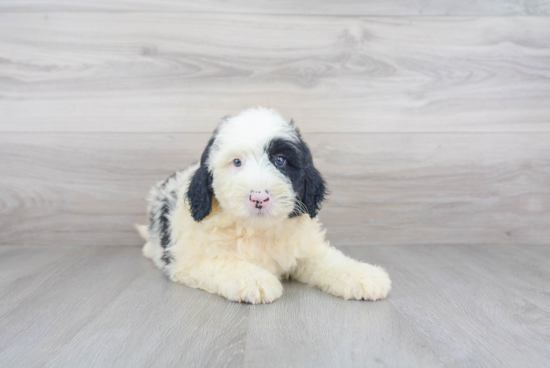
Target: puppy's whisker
(302,208)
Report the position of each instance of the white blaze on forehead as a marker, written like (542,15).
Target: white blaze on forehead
(251,131)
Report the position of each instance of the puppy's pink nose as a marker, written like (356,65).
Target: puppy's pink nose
(259,197)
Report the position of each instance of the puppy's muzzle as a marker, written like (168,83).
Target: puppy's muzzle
(259,199)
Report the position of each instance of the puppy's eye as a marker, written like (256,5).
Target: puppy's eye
(280,161)
(237,162)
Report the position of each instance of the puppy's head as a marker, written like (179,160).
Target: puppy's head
(259,169)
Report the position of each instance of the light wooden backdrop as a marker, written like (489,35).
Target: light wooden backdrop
(430,120)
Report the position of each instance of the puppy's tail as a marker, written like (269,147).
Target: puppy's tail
(143,231)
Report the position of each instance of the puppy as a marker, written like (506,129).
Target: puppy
(245,217)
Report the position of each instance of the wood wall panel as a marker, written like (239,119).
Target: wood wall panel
(181,72)
(84,188)
(289,7)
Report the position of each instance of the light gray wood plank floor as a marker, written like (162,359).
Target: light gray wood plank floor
(109,306)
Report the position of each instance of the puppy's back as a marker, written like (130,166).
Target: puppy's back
(163,198)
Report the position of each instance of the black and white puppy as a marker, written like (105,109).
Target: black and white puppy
(245,217)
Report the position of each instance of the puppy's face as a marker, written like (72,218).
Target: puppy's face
(259,170)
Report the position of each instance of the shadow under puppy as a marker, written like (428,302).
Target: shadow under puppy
(244,218)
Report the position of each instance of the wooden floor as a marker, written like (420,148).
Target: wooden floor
(109,307)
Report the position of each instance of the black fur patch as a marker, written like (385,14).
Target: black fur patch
(169,202)
(199,194)
(164,226)
(306,180)
(167,257)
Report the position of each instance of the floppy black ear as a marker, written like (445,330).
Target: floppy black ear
(314,185)
(199,194)
(315,191)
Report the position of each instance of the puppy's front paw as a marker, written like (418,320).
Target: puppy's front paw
(365,282)
(257,288)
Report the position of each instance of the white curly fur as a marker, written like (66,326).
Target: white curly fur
(239,254)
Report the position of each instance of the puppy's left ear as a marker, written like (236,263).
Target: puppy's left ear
(314,185)
(200,190)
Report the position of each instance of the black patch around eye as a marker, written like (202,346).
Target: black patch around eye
(286,149)
(306,181)
(292,168)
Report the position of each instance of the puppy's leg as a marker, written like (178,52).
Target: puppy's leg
(231,278)
(331,271)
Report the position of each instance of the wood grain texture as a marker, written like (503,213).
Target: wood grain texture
(181,72)
(89,189)
(449,306)
(309,7)
(82,300)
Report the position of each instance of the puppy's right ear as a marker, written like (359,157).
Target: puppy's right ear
(199,194)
